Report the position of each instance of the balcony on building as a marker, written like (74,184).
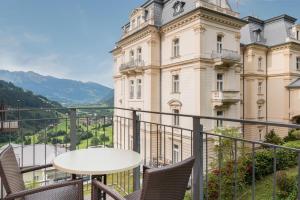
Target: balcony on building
(220,98)
(9,126)
(132,67)
(226,57)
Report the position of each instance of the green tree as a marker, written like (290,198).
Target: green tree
(95,141)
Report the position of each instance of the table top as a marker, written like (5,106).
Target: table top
(97,161)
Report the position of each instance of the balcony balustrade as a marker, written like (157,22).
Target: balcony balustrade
(133,66)
(159,143)
(9,126)
(222,97)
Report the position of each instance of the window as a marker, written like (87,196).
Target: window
(131,89)
(257,35)
(139,21)
(175,83)
(219,82)
(298,63)
(220,113)
(133,24)
(260,134)
(260,63)
(219,43)
(297,35)
(176,117)
(259,87)
(175,47)
(139,89)
(131,56)
(259,112)
(139,55)
(175,153)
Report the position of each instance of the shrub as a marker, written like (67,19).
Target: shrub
(273,138)
(95,141)
(293,135)
(287,186)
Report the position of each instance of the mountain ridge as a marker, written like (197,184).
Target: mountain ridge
(65,91)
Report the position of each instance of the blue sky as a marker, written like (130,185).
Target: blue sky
(72,38)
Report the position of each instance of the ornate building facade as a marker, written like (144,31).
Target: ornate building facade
(181,57)
(270,81)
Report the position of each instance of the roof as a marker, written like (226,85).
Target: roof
(294,84)
(35,154)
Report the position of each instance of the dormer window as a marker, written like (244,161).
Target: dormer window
(257,35)
(138,21)
(133,24)
(178,7)
(298,35)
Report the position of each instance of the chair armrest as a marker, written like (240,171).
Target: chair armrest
(31,169)
(25,193)
(100,186)
(146,167)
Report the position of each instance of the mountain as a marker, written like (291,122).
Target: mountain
(65,91)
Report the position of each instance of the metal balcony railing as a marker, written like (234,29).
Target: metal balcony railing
(226,55)
(219,155)
(132,65)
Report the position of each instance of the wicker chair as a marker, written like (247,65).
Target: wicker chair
(12,179)
(167,183)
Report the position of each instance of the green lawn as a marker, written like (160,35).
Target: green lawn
(264,187)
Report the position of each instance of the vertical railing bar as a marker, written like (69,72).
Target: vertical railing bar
(206,164)
(124,133)
(136,148)
(220,168)
(87,132)
(253,171)
(181,145)
(157,160)
(145,143)
(128,135)
(112,131)
(150,135)
(22,144)
(164,145)
(172,145)
(298,175)
(117,132)
(45,141)
(274,171)
(104,130)
(235,170)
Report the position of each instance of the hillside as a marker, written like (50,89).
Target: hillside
(64,91)
(12,96)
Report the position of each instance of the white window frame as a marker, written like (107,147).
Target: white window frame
(131,89)
(139,88)
(138,20)
(176,153)
(175,48)
(219,43)
(220,82)
(131,56)
(176,118)
(139,54)
(175,83)
(220,113)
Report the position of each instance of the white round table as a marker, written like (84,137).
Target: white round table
(97,161)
